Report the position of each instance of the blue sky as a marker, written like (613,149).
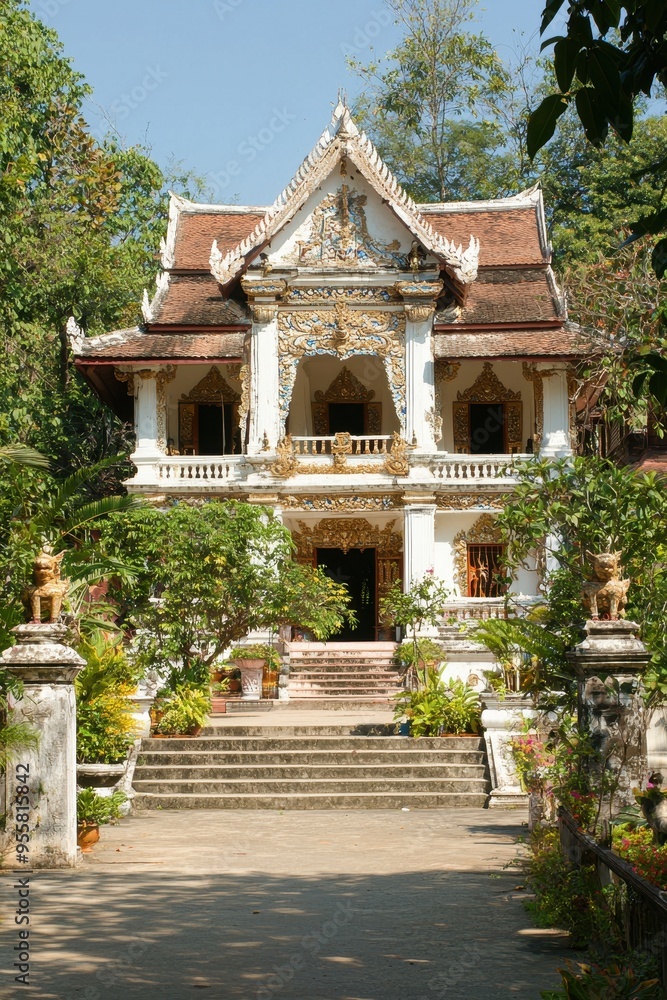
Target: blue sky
(236,90)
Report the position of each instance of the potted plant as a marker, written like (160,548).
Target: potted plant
(218,700)
(419,655)
(419,606)
(438,707)
(105,731)
(251,661)
(93,810)
(185,710)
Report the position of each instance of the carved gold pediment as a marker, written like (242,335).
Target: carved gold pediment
(345,387)
(345,534)
(212,389)
(487,388)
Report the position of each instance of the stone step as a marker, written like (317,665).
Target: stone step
(310,742)
(316,786)
(336,689)
(348,705)
(221,729)
(341,800)
(351,675)
(268,758)
(308,772)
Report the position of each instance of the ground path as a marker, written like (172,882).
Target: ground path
(294,906)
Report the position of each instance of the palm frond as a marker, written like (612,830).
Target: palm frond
(21,454)
(15,739)
(100,508)
(68,488)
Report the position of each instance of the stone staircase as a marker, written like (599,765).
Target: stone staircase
(310,767)
(342,674)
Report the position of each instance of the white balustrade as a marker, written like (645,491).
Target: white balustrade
(475,467)
(361,444)
(199,467)
(475,607)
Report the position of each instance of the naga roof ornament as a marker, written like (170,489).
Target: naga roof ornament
(342,139)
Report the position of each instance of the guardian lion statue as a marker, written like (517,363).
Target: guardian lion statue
(606,595)
(47,588)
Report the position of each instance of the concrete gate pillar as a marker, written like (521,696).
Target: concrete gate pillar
(47,669)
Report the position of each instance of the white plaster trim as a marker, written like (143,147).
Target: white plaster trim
(341,139)
(150,308)
(557,294)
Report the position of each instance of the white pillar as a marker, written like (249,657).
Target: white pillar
(47,669)
(418,541)
(264,414)
(556,428)
(147,451)
(419,384)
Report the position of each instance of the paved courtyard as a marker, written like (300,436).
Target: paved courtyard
(292,906)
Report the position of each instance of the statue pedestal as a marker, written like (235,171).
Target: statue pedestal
(47,669)
(503,720)
(608,664)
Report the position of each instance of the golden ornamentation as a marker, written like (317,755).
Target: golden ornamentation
(323,294)
(487,388)
(266,287)
(446,371)
(606,593)
(125,377)
(244,405)
(339,236)
(344,332)
(347,503)
(345,534)
(535,375)
(484,531)
(162,376)
(264,313)
(345,388)
(47,586)
(234,371)
(472,501)
(395,462)
(419,298)
(211,389)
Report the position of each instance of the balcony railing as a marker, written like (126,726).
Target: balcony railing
(182,468)
(361,444)
(474,467)
(464,608)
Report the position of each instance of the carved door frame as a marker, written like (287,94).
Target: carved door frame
(346,388)
(487,388)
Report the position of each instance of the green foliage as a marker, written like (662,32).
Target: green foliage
(184,710)
(94,808)
(566,895)
(267,653)
(607,60)
(107,666)
(442,108)
(218,573)
(424,651)
(104,728)
(618,981)
(438,706)
(592,504)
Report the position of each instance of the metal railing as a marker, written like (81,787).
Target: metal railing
(643,911)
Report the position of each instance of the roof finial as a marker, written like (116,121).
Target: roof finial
(342,96)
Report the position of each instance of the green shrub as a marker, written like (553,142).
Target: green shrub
(624,979)
(184,710)
(426,652)
(94,808)
(567,896)
(104,729)
(267,653)
(439,707)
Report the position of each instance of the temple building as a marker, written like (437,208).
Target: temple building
(372,369)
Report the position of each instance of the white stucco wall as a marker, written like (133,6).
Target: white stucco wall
(317,374)
(447,527)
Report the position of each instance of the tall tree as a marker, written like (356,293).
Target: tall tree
(80,225)
(442,108)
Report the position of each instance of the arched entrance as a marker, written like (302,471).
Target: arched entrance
(367,558)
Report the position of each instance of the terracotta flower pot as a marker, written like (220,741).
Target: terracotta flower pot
(87,834)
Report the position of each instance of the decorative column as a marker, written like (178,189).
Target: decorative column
(503,720)
(418,537)
(264,398)
(609,663)
(47,669)
(552,408)
(148,386)
(419,298)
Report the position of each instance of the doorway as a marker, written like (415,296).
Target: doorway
(356,569)
(348,417)
(487,429)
